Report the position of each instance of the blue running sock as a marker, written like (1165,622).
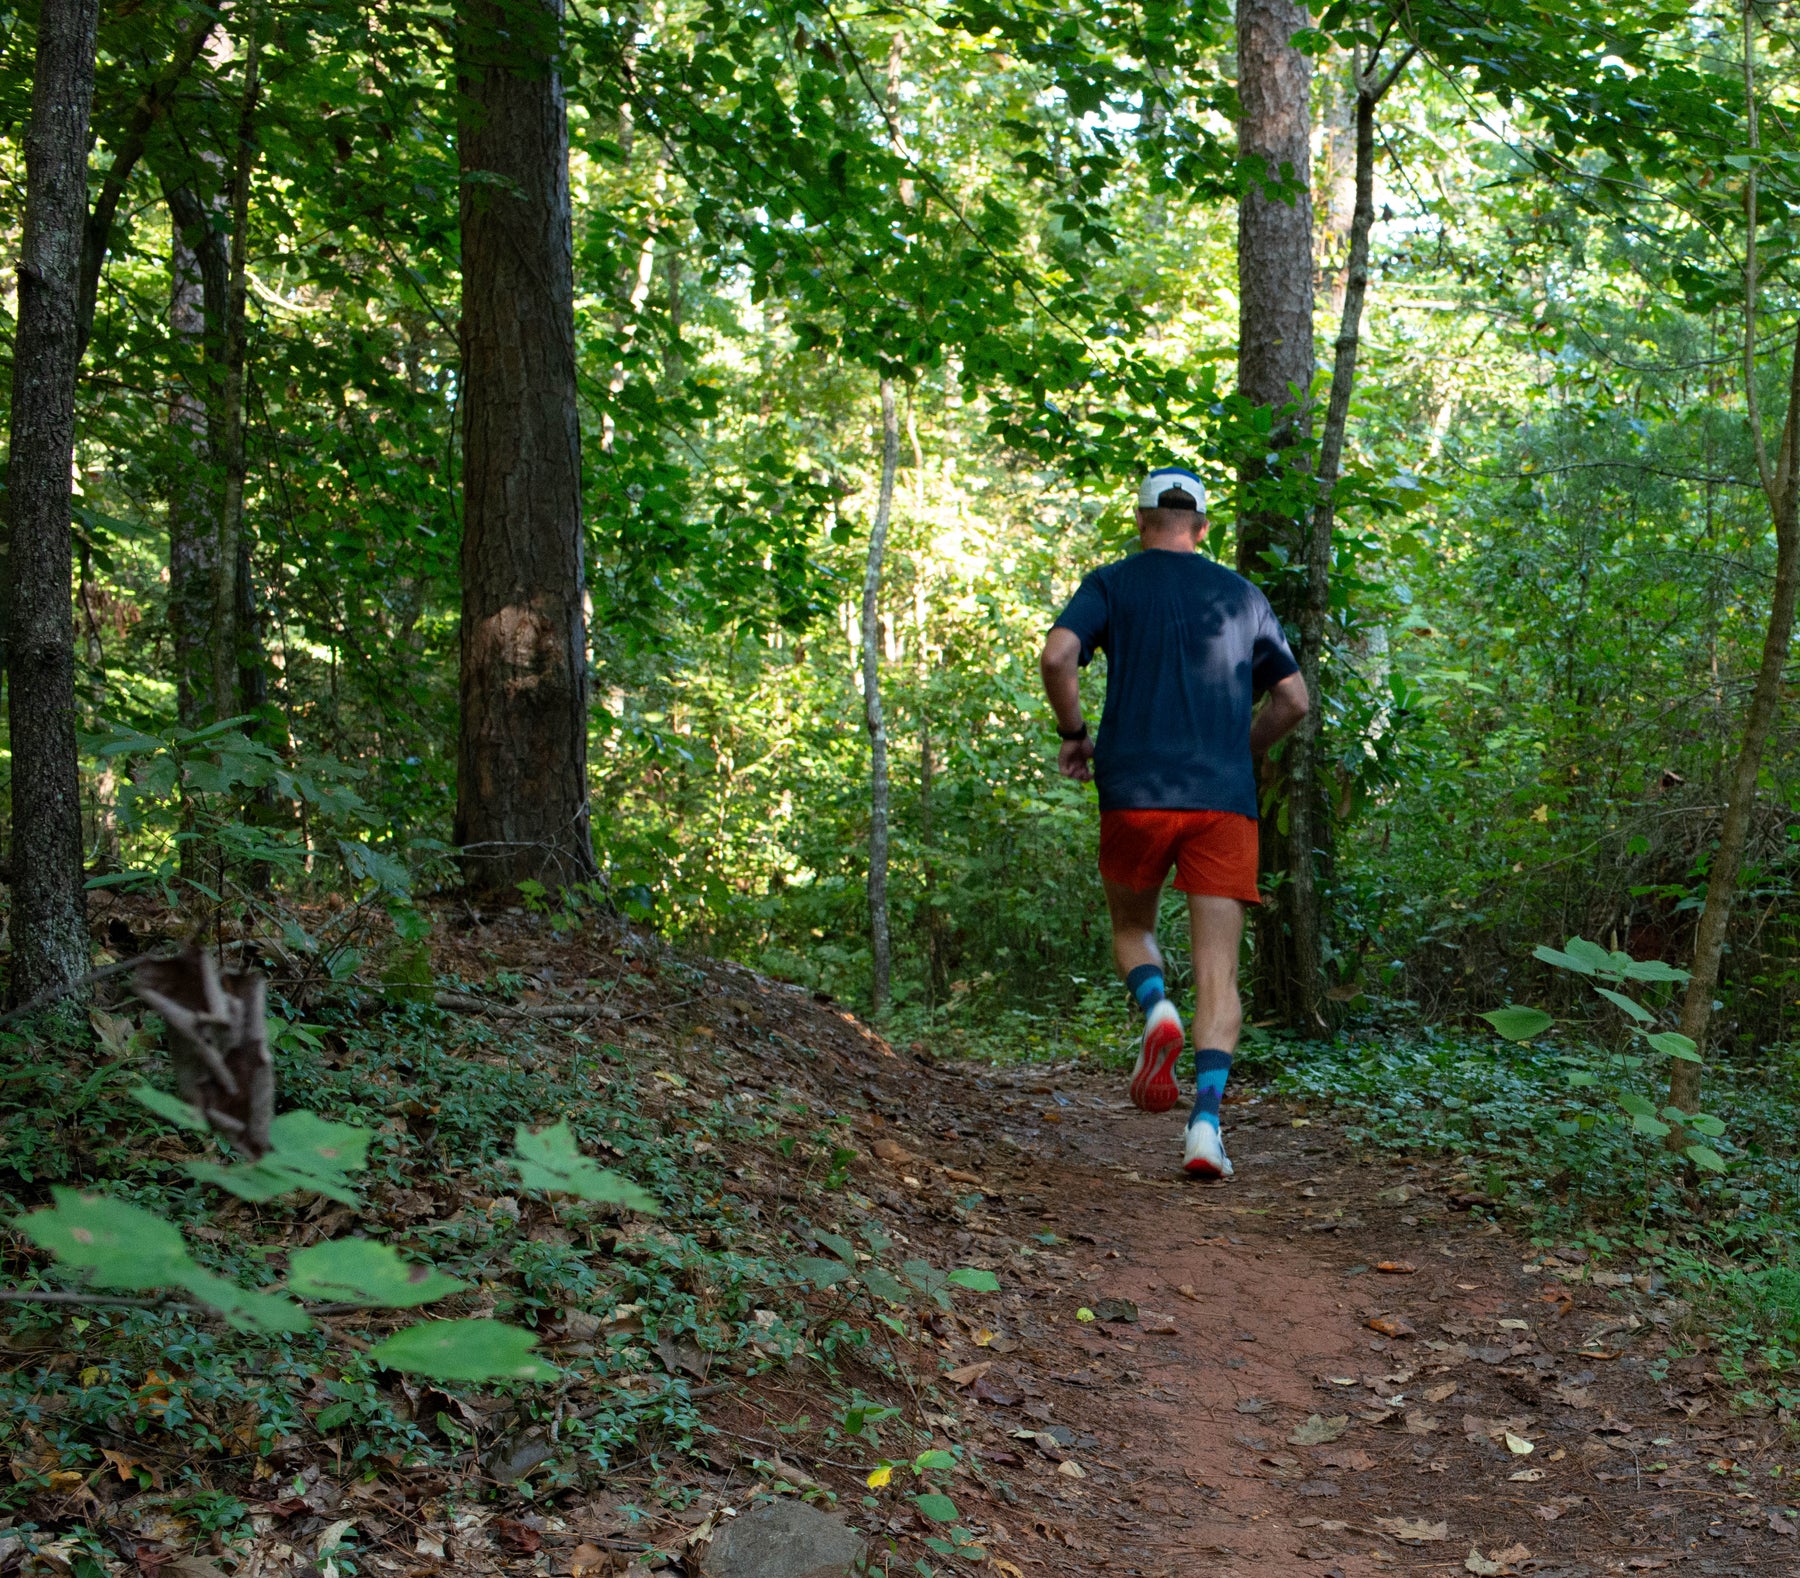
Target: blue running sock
(1211,1069)
(1145,983)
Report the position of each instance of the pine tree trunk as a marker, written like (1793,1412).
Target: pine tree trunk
(49,916)
(521,810)
(880,941)
(1275,369)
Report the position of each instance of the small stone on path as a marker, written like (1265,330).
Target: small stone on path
(783,1539)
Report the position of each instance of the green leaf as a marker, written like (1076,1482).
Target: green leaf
(360,1271)
(1676,1045)
(303,1142)
(1705,1123)
(1519,1024)
(883,1284)
(1563,961)
(841,1247)
(936,1506)
(1579,1079)
(464,1350)
(974,1280)
(182,1114)
(118,1245)
(241,1308)
(822,1273)
(923,1275)
(551,1160)
(1653,970)
(1597,958)
(1654,1127)
(1705,1158)
(1619,1000)
(1636,1105)
(936,1458)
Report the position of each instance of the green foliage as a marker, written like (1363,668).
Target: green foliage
(306,1152)
(551,1160)
(464,1350)
(357,1271)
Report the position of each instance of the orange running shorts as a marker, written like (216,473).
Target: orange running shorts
(1213,852)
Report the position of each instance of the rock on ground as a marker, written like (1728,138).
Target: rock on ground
(783,1539)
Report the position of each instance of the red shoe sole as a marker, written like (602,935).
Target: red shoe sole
(1153,1086)
(1202,1169)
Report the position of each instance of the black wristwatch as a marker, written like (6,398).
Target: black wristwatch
(1070,736)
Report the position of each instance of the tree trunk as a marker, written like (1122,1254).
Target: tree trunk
(1275,369)
(880,943)
(521,811)
(49,913)
(1781,486)
(226,634)
(199,272)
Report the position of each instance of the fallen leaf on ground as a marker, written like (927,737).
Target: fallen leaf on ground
(1518,1445)
(1419,1423)
(892,1152)
(1251,1405)
(1527,1476)
(1318,1430)
(969,1373)
(1396,1268)
(585,1561)
(1390,1325)
(1436,1394)
(1413,1531)
(1188,1291)
(1574,1396)
(1781,1524)
(1500,1562)
(1352,1458)
(1158,1325)
(996,1390)
(1071,1468)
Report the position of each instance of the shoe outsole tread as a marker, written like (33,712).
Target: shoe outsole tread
(1153,1087)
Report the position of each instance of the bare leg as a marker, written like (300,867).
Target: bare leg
(1217,928)
(1133,912)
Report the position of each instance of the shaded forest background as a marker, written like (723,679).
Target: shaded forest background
(1550,578)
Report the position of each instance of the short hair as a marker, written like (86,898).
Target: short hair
(1164,517)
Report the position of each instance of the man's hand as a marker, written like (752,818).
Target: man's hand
(1076,759)
(1286,705)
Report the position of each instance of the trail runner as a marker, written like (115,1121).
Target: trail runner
(1189,647)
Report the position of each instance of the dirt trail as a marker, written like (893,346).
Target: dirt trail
(1520,1416)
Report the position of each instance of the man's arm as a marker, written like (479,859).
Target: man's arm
(1060,665)
(1287,704)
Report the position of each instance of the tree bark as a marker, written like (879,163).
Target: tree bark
(1781,485)
(1275,369)
(226,633)
(49,913)
(1307,800)
(521,811)
(880,940)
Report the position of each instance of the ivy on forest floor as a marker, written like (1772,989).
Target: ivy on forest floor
(637,1315)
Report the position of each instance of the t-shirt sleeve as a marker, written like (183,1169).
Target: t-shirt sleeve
(1086,615)
(1271,659)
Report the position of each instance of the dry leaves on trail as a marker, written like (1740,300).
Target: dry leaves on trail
(1396,1268)
(1390,1325)
(1351,1458)
(1436,1394)
(1573,1396)
(1318,1430)
(1419,1423)
(1413,1531)
(1505,1561)
(968,1374)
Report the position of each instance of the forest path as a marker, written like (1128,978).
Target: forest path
(1188,1417)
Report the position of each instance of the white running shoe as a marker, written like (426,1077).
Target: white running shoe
(1153,1084)
(1205,1156)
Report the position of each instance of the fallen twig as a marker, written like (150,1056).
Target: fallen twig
(51,994)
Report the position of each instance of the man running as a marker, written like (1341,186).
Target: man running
(1189,647)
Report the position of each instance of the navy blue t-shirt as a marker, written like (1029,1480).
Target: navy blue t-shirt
(1189,646)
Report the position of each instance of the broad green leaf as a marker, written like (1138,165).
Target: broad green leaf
(1653,970)
(935,1458)
(1636,1105)
(883,1284)
(181,1113)
(464,1350)
(1578,1079)
(976,1281)
(1675,1044)
(841,1247)
(1705,1123)
(551,1160)
(821,1272)
(1654,1127)
(304,1142)
(118,1245)
(1563,961)
(923,1275)
(1619,1000)
(936,1506)
(268,1180)
(1705,1158)
(1597,958)
(1519,1024)
(360,1271)
(243,1309)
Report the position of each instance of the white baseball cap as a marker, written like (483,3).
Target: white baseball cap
(1172,488)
